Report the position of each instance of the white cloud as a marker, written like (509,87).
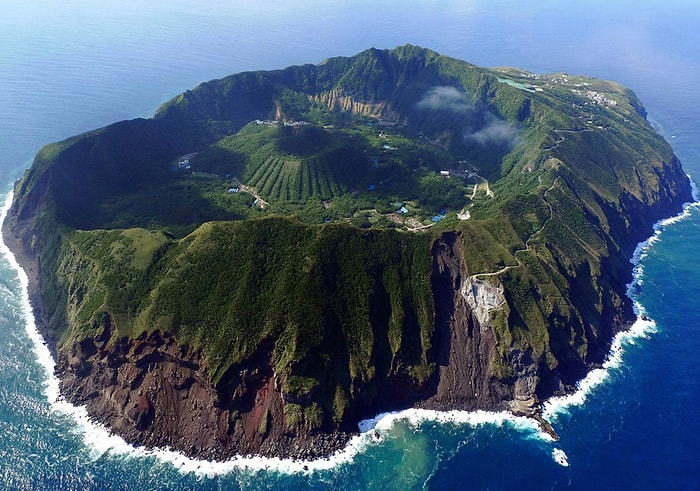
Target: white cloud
(496,132)
(445,98)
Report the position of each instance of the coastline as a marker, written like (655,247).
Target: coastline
(42,350)
(642,328)
(100,440)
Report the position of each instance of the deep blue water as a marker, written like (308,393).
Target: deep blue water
(72,66)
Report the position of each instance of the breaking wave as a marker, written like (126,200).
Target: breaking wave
(99,441)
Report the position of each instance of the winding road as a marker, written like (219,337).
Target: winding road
(475,277)
(247,189)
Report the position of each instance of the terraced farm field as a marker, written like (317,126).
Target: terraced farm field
(323,173)
(290,178)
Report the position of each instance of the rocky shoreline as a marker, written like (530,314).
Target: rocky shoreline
(364,321)
(151,389)
(29,263)
(122,385)
(155,393)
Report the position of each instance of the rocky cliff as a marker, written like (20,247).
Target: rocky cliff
(155,392)
(465,344)
(182,314)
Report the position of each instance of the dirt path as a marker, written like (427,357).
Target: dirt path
(422,227)
(489,193)
(247,189)
(561,137)
(527,247)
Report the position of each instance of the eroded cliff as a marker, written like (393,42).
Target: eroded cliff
(465,344)
(184,315)
(155,392)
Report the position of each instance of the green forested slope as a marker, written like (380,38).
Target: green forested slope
(284,233)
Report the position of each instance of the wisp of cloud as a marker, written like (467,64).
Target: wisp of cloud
(445,98)
(496,132)
(486,128)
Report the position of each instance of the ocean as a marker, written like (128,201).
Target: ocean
(68,67)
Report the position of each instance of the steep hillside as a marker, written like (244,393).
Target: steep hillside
(276,255)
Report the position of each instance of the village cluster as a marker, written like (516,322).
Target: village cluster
(274,123)
(596,97)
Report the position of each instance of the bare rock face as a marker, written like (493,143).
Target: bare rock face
(337,100)
(465,343)
(140,413)
(154,392)
(482,297)
(525,399)
(144,389)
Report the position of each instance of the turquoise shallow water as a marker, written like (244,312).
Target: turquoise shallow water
(70,68)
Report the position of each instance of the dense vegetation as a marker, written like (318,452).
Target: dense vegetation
(273,208)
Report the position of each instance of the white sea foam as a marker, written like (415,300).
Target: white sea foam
(642,328)
(560,457)
(100,441)
(694,189)
(41,350)
(475,419)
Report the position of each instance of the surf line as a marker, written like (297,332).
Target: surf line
(642,328)
(100,441)
(552,407)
